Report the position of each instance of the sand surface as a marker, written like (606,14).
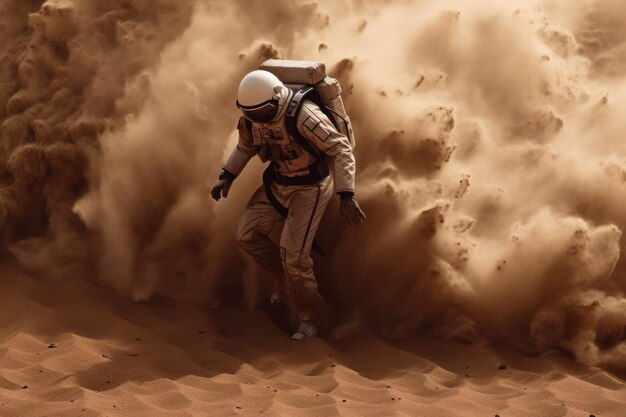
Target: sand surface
(73,349)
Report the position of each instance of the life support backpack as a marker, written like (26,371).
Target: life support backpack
(308,81)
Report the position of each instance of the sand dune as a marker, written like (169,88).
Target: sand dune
(72,349)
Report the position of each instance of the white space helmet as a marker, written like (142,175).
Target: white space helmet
(259,96)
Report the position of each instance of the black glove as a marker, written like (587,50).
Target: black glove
(222,186)
(350,210)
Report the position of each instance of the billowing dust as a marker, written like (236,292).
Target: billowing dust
(491,156)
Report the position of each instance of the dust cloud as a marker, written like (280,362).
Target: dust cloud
(491,158)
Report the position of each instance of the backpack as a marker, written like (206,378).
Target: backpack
(308,80)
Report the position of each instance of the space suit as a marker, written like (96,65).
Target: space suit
(297,187)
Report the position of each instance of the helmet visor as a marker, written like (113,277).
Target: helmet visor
(261,113)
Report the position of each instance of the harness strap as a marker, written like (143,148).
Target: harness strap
(291,119)
(267,184)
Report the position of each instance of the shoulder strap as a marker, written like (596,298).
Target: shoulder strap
(248,124)
(291,118)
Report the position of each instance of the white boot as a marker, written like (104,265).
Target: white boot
(307,329)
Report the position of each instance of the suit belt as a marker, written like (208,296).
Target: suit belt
(317,172)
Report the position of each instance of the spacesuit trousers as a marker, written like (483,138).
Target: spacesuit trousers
(306,205)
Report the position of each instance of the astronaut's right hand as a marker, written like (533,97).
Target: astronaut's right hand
(222,186)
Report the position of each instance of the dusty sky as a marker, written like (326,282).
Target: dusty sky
(491,156)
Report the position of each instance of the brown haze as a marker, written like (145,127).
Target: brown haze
(491,155)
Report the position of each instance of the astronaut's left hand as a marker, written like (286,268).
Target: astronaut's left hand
(351,212)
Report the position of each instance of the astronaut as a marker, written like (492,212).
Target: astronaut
(297,188)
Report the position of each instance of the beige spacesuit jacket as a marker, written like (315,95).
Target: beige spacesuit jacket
(270,141)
